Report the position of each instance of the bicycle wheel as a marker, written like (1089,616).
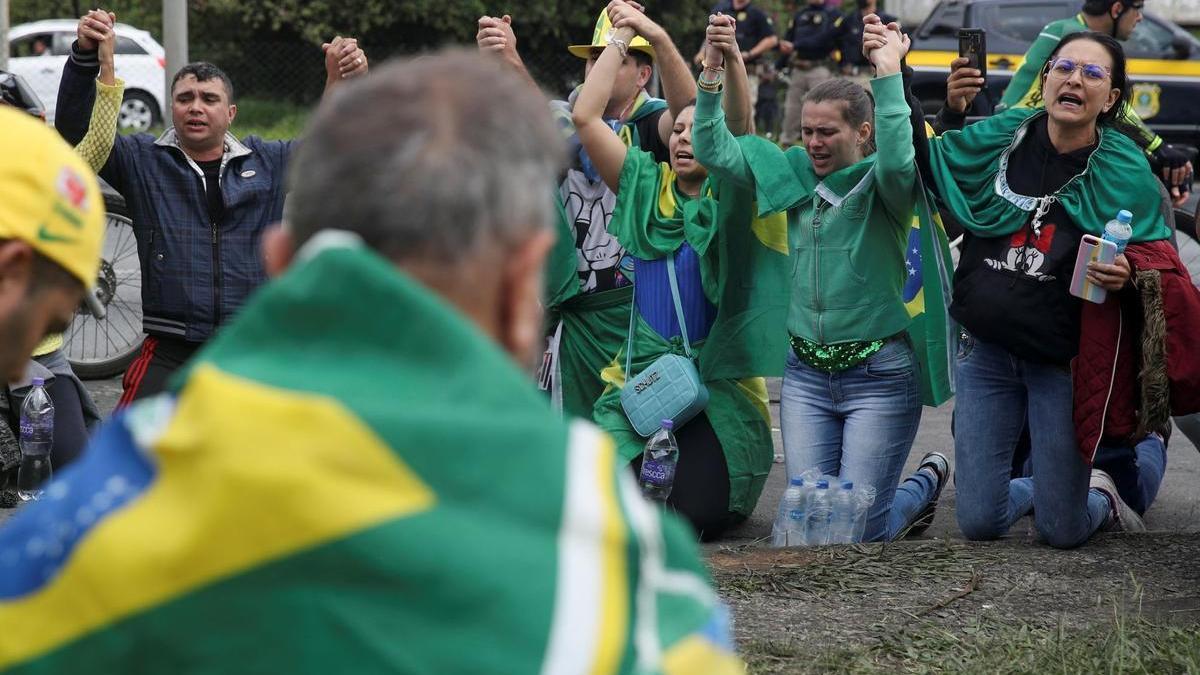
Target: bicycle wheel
(102,348)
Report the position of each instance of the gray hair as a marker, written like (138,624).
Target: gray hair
(434,158)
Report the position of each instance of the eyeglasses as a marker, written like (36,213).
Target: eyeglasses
(1094,74)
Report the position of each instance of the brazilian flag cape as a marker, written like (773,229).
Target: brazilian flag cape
(969,167)
(785,179)
(593,324)
(744,265)
(352,478)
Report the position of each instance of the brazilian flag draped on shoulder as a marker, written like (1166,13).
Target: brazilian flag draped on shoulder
(743,270)
(352,478)
(785,179)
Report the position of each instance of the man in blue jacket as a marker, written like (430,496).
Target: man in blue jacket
(199,198)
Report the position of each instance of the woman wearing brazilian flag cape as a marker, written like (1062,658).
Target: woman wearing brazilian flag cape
(1027,185)
(859,365)
(673,214)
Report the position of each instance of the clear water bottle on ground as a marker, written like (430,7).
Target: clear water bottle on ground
(1119,230)
(37,438)
(789,524)
(864,499)
(818,515)
(658,464)
(845,503)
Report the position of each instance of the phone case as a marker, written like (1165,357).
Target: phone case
(1091,249)
(972,43)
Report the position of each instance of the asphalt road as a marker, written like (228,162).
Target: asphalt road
(1177,508)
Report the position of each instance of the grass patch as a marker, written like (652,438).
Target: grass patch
(271,120)
(1122,646)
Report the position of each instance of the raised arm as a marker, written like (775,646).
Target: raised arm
(678,87)
(606,150)
(77,90)
(712,141)
(497,37)
(895,168)
(343,60)
(98,142)
(722,41)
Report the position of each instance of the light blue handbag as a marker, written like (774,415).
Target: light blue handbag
(668,389)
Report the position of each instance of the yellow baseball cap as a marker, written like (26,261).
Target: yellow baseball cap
(600,39)
(48,196)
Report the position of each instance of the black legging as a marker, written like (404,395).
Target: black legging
(701,492)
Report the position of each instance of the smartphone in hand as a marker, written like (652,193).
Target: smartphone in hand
(972,43)
(1091,249)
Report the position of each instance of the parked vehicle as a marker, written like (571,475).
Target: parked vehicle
(38,50)
(1164,59)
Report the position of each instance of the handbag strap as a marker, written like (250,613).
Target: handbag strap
(674,283)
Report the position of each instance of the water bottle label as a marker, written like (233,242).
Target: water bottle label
(796,514)
(659,474)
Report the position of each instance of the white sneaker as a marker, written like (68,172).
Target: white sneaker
(1123,517)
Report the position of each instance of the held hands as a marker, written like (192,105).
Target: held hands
(884,46)
(343,59)
(496,36)
(963,85)
(721,41)
(631,15)
(1110,277)
(95,27)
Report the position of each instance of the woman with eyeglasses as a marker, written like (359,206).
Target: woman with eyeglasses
(1027,184)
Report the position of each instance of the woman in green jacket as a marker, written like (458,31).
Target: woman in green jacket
(850,403)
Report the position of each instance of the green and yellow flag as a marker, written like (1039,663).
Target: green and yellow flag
(352,478)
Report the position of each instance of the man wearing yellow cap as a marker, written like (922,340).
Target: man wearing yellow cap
(592,302)
(51,230)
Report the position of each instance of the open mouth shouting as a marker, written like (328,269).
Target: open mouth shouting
(1069,101)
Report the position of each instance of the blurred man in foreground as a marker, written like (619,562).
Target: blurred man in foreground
(358,473)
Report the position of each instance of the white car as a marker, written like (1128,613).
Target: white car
(39,50)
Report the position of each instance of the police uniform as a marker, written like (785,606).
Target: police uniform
(752,27)
(814,35)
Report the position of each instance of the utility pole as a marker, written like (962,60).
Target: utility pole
(3,34)
(175,44)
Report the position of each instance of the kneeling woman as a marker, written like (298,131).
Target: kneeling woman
(1027,185)
(668,214)
(851,400)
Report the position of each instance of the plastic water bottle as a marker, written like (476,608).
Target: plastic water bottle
(864,499)
(818,515)
(1120,230)
(845,503)
(37,438)
(789,524)
(658,463)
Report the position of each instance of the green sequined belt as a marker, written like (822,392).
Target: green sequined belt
(836,357)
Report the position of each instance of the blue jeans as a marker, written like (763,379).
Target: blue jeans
(995,393)
(859,424)
(1137,471)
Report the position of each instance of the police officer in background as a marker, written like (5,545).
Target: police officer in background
(855,66)
(809,45)
(755,33)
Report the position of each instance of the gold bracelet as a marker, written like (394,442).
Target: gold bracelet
(715,69)
(711,86)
